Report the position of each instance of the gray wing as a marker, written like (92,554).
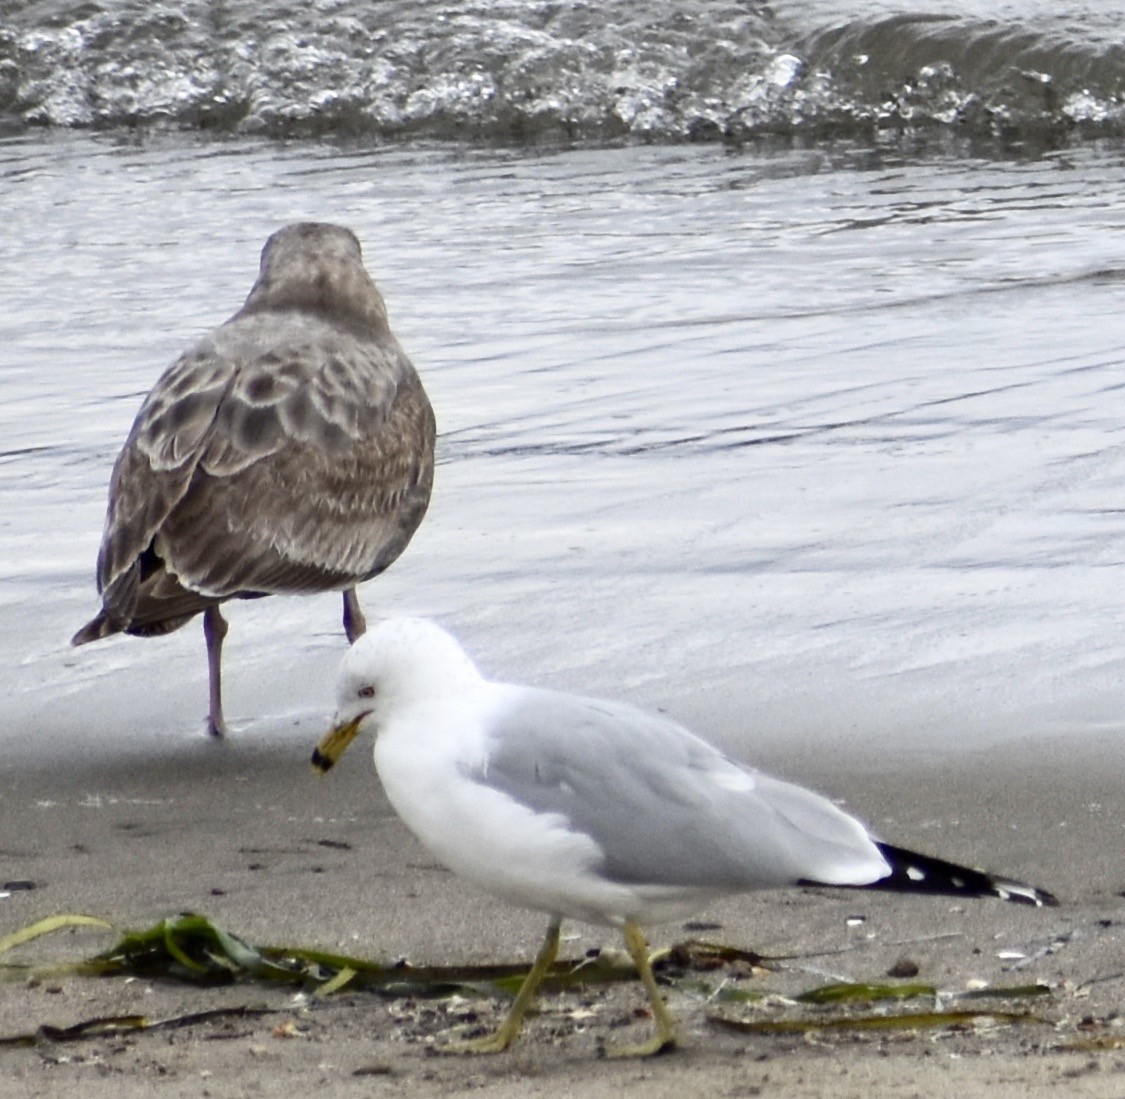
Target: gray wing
(283,453)
(665,807)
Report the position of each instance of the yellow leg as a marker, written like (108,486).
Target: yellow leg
(509,1029)
(665,1037)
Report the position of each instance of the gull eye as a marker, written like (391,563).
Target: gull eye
(366,692)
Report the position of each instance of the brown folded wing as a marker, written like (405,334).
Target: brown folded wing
(284,453)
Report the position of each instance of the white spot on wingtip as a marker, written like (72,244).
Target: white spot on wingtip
(735,780)
(914,874)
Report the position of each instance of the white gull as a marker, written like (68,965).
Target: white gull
(595,810)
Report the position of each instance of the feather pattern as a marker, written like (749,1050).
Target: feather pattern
(291,450)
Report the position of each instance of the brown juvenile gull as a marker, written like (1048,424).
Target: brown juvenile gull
(595,810)
(289,451)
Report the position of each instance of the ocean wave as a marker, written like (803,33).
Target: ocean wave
(515,71)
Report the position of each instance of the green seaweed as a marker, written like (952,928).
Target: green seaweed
(48,926)
(915,1020)
(103,1025)
(192,948)
(1101,1044)
(1008,992)
(851,993)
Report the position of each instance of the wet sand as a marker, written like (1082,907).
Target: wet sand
(885,509)
(245,833)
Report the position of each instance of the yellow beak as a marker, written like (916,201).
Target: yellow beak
(335,743)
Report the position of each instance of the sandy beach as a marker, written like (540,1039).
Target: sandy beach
(244,833)
(818,450)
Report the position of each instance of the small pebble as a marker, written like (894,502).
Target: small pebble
(904,967)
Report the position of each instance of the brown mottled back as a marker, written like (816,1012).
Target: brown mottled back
(291,450)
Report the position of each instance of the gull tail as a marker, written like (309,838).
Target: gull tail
(915,873)
(118,601)
(97,628)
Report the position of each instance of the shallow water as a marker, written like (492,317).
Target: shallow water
(821,442)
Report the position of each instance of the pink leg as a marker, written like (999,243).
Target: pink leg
(355,625)
(214,630)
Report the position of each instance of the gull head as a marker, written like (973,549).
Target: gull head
(397,665)
(317,267)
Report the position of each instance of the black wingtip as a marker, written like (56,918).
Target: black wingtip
(92,631)
(102,625)
(912,872)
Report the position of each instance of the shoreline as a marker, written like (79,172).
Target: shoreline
(244,833)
